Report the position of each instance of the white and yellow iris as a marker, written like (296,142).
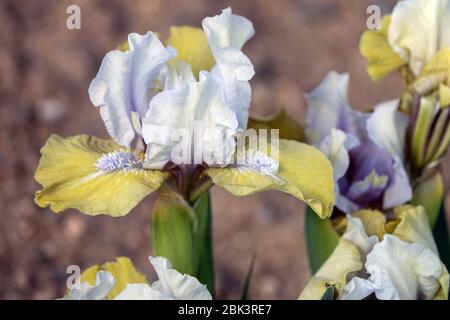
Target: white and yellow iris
(120,280)
(389,260)
(147,93)
(416,38)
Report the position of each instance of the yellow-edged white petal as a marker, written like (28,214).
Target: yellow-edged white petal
(375,47)
(92,175)
(300,170)
(418,30)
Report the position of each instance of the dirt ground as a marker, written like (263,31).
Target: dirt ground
(45,70)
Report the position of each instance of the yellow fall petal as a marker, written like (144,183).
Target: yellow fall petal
(375,47)
(304,172)
(345,259)
(70,178)
(123,271)
(192,46)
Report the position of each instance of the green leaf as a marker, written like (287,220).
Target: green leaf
(248,278)
(440,234)
(429,193)
(328,294)
(289,128)
(174,226)
(204,244)
(321,239)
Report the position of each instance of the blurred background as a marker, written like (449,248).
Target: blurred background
(45,71)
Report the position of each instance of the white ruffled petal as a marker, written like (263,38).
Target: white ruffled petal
(227,33)
(328,108)
(173,284)
(357,289)
(104,282)
(399,190)
(191,116)
(356,234)
(419,29)
(401,270)
(124,81)
(141,291)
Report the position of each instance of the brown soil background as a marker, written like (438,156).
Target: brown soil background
(45,70)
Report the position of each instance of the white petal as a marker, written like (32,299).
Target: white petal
(387,126)
(227,33)
(180,111)
(228,30)
(141,291)
(328,108)
(104,282)
(177,75)
(357,289)
(419,29)
(173,284)
(335,146)
(124,81)
(357,235)
(401,270)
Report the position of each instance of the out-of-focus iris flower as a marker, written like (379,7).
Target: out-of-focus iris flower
(121,281)
(147,95)
(386,260)
(415,39)
(366,149)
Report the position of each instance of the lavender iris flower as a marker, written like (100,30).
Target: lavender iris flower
(366,149)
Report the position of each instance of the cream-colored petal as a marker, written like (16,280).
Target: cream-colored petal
(344,260)
(419,29)
(403,271)
(104,282)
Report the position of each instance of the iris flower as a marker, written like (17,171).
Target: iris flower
(120,280)
(415,38)
(366,149)
(386,260)
(147,94)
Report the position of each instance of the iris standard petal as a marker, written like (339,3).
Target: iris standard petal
(328,108)
(124,83)
(419,29)
(300,170)
(174,115)
(92,175)
(98,290)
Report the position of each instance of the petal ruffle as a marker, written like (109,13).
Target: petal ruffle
(69,173)
(102,284)
(303,172)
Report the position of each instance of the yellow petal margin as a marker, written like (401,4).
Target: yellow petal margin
(375,47)
(304,172)
(123,271)
(70,179)
(192,46)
